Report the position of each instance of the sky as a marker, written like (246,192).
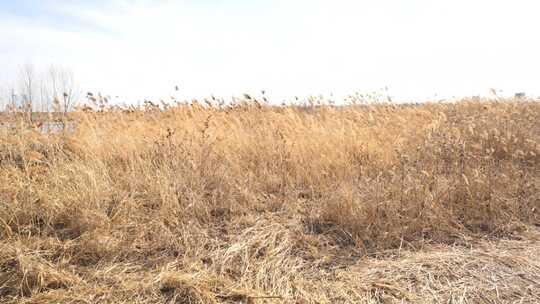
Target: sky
(418,49)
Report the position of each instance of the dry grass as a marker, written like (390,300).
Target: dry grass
(437,203)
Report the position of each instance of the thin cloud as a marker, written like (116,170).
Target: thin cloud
(48,14)
(141,49)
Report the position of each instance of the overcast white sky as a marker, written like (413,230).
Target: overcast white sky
(142,49)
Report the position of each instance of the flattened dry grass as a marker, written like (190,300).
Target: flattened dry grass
(252,203)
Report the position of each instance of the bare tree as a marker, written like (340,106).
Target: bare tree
(43,96)
(69,89)
(12,106)
(8,98)
(3,99)
(60,89)
(28,89)
(54,89)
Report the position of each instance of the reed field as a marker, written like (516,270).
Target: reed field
(253,203)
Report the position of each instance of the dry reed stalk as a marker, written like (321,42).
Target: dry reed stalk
(216,203)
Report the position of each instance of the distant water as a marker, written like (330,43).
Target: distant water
(54,127)
(46,127)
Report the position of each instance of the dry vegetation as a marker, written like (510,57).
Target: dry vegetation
(437,203)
